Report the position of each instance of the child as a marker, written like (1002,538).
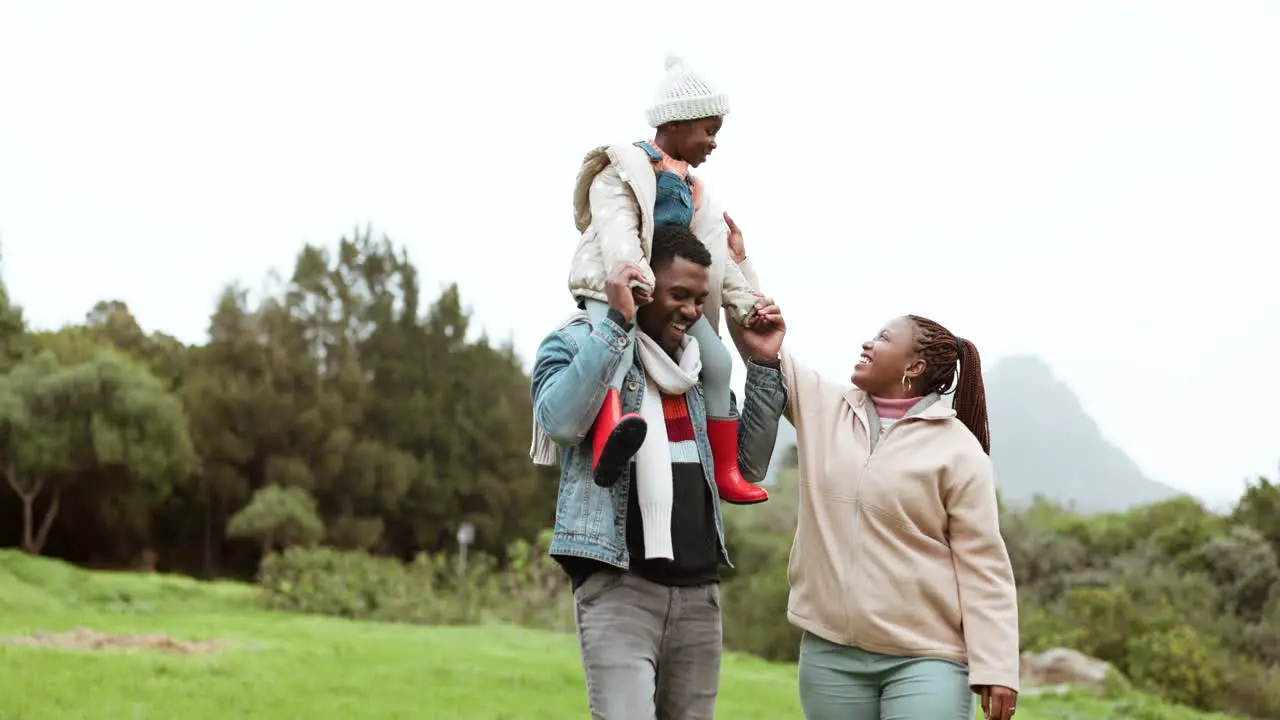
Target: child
(622,193)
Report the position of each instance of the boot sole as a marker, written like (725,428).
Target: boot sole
(746,502)
(627,437)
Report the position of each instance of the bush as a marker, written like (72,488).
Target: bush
(326,581)
(434,589)
(1251,689)
(1244,565)
(1171,595)
(754,600)
(1177,663)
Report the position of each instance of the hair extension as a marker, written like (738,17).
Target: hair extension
(942,351)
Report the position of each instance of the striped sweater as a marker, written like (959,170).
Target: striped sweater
(693,526)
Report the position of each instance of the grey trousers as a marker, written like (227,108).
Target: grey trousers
(649,652)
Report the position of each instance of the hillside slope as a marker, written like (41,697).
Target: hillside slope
(228,658)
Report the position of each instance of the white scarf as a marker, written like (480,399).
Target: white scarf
(654,487)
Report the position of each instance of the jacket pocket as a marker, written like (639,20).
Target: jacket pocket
(671,189)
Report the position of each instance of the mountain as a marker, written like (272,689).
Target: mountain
(1043,442)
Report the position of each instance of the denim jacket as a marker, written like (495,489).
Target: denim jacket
(570,375)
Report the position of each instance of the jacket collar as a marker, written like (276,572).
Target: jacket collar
(863,406)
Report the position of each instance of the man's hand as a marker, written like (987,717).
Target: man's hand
(998,703)
(761,341)
(737,245)
(618,289)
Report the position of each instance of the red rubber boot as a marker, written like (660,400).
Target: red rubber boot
(614,439)
(733,488)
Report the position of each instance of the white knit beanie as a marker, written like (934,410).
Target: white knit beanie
(684,96)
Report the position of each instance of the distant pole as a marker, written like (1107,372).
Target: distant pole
(466,536)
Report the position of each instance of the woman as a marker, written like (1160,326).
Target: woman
(899,575)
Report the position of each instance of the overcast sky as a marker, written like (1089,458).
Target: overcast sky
(1097,183)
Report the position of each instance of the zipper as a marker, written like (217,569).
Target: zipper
(854,531)
(857,516)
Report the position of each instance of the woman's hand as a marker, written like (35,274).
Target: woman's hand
(737,245)
(998,703)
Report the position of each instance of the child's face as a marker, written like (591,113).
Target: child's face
(693,141)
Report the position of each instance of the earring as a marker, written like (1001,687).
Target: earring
(906,383)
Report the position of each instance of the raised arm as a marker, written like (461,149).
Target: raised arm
(988,595)
(738,295)
(766,394)
(571,373)
(762,406)
(806,387)
(748,270)
(741,287)
(574,366)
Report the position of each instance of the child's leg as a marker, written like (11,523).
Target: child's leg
(717,368)
(722,427)
(598,311)
(615,437)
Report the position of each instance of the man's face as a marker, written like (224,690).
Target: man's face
(680,289)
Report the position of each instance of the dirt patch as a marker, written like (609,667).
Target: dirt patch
(86,639)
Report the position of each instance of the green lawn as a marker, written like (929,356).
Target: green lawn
(279,666)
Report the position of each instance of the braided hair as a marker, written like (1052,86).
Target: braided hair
(941,352)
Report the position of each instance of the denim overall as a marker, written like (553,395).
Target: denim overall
(673,203)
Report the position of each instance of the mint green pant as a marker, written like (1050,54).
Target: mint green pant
(838,682)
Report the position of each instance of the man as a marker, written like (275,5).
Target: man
(649,624)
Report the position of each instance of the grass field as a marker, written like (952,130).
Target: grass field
(274,666)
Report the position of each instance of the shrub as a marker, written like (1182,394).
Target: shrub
(1244,565)
(754,593)
(755,613)
(1178,663)
(1251,689)
(434,589)
(326,581)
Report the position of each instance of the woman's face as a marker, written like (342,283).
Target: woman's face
(886,358)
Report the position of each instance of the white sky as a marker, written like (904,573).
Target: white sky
(1097,183)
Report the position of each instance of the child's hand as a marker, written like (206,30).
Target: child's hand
(761,318)
(763,339)
(737,244)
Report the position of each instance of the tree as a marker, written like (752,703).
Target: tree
(1244,567)
(61,425)
(1259,508)
(13,341)
(278,516)
(338,379)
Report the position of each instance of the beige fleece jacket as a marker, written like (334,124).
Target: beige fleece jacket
(898,549)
